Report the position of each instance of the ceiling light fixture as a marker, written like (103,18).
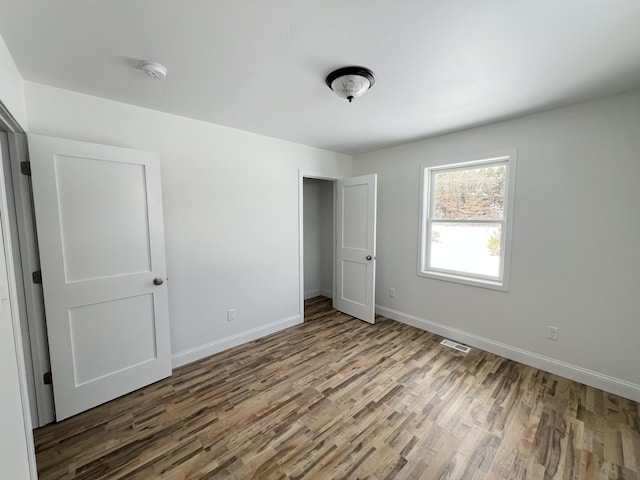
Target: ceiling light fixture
(350,82)
(154,70)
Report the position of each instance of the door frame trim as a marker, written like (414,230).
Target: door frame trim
(34,322)
(302,174)
(13,130)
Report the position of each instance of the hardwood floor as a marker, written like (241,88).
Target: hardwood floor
(339,398)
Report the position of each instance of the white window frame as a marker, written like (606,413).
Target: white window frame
(507,157)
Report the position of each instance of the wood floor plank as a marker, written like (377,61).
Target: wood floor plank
(339,398)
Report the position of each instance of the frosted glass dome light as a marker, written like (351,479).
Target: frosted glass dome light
(350,82)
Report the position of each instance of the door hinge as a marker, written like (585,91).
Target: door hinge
(47,378)
(25,168)
(37,276)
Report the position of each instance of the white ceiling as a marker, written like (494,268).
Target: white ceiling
(260,65)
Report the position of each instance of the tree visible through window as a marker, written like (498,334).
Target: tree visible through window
(464,220)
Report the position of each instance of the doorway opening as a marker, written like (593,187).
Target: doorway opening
(316,230)
(349,220)
(318,235)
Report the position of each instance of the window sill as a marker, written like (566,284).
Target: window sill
(464,280)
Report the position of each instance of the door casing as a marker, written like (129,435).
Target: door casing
(16,135)
(32,318)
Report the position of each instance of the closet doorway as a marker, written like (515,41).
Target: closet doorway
(318,235)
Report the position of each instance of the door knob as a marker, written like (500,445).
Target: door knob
(158,281)
(368,257)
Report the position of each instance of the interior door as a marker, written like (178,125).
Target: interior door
(98,212)
(356,247)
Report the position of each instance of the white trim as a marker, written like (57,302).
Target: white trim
(15,317)
(318,293)
(34,322)
(592,378)
(217,346)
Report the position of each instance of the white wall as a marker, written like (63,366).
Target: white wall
(231,212)
(575,259)
(318,237)
(327,236)
(312,238)
(12,86)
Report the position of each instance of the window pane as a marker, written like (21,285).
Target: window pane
(466,248)
(474,193)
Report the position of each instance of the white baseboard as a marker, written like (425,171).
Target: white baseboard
(573,372)
(217,346)
(318,293)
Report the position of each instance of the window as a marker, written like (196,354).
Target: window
(466,221)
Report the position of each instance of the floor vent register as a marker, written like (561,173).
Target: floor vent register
(455,346)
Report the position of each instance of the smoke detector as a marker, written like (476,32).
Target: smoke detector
(154,70)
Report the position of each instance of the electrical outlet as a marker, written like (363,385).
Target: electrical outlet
(553,332)
(231,314)
(392,292)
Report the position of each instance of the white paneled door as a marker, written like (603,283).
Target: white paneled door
(356,247)
(98,213)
